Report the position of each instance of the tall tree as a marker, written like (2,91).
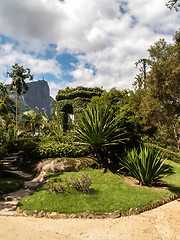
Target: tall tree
(19,74)
(160,103)
(141,77)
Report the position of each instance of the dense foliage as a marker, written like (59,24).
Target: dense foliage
(121,103)
(157,100)
(33,150)
(73,101)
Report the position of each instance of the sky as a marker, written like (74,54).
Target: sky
(91,43)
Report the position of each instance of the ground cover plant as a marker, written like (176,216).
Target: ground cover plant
(111,193)
(10,185)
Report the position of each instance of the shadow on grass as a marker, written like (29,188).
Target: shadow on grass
(170,187)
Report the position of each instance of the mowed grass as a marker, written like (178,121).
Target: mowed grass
(111,193)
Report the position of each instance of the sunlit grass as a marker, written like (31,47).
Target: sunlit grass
(111,193)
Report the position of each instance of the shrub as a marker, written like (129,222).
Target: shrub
(146,165)
(52,149)
(67,185)
(33,150)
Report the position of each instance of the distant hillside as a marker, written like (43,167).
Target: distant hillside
(38,95)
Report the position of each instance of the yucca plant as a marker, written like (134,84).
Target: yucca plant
(98,129)
(147,165)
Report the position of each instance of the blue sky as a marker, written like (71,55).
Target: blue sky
(80,42)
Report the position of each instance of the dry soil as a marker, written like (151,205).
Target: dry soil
(162,223)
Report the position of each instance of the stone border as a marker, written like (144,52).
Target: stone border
(97,215)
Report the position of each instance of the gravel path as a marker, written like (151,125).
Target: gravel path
(9,201)
(162,223)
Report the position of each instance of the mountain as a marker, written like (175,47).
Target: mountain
(38,96)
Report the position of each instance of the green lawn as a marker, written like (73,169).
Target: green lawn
(10,185)
(111,193)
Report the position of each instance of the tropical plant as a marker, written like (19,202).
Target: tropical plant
(98,129)
(19,74)
(31,121)
(146,164)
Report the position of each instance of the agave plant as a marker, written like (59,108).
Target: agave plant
(147,165)
(98,129)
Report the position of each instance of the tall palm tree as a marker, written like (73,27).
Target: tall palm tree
(19,74)
(98,129)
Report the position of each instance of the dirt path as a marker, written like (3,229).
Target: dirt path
(162,223)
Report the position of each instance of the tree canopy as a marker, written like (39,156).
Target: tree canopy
(159,105)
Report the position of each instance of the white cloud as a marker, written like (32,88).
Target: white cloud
(109,39)
(54,87)
(9,56)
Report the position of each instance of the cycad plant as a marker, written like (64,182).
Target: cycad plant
(146,164)
(98,129)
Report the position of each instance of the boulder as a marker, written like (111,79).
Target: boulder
(64,164)
(60,165)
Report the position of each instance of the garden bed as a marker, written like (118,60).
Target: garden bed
(112,193)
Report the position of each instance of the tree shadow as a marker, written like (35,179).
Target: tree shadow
(172,188)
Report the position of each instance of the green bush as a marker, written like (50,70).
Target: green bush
(146,165)
(24,144)
(33,150)
(53,149)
